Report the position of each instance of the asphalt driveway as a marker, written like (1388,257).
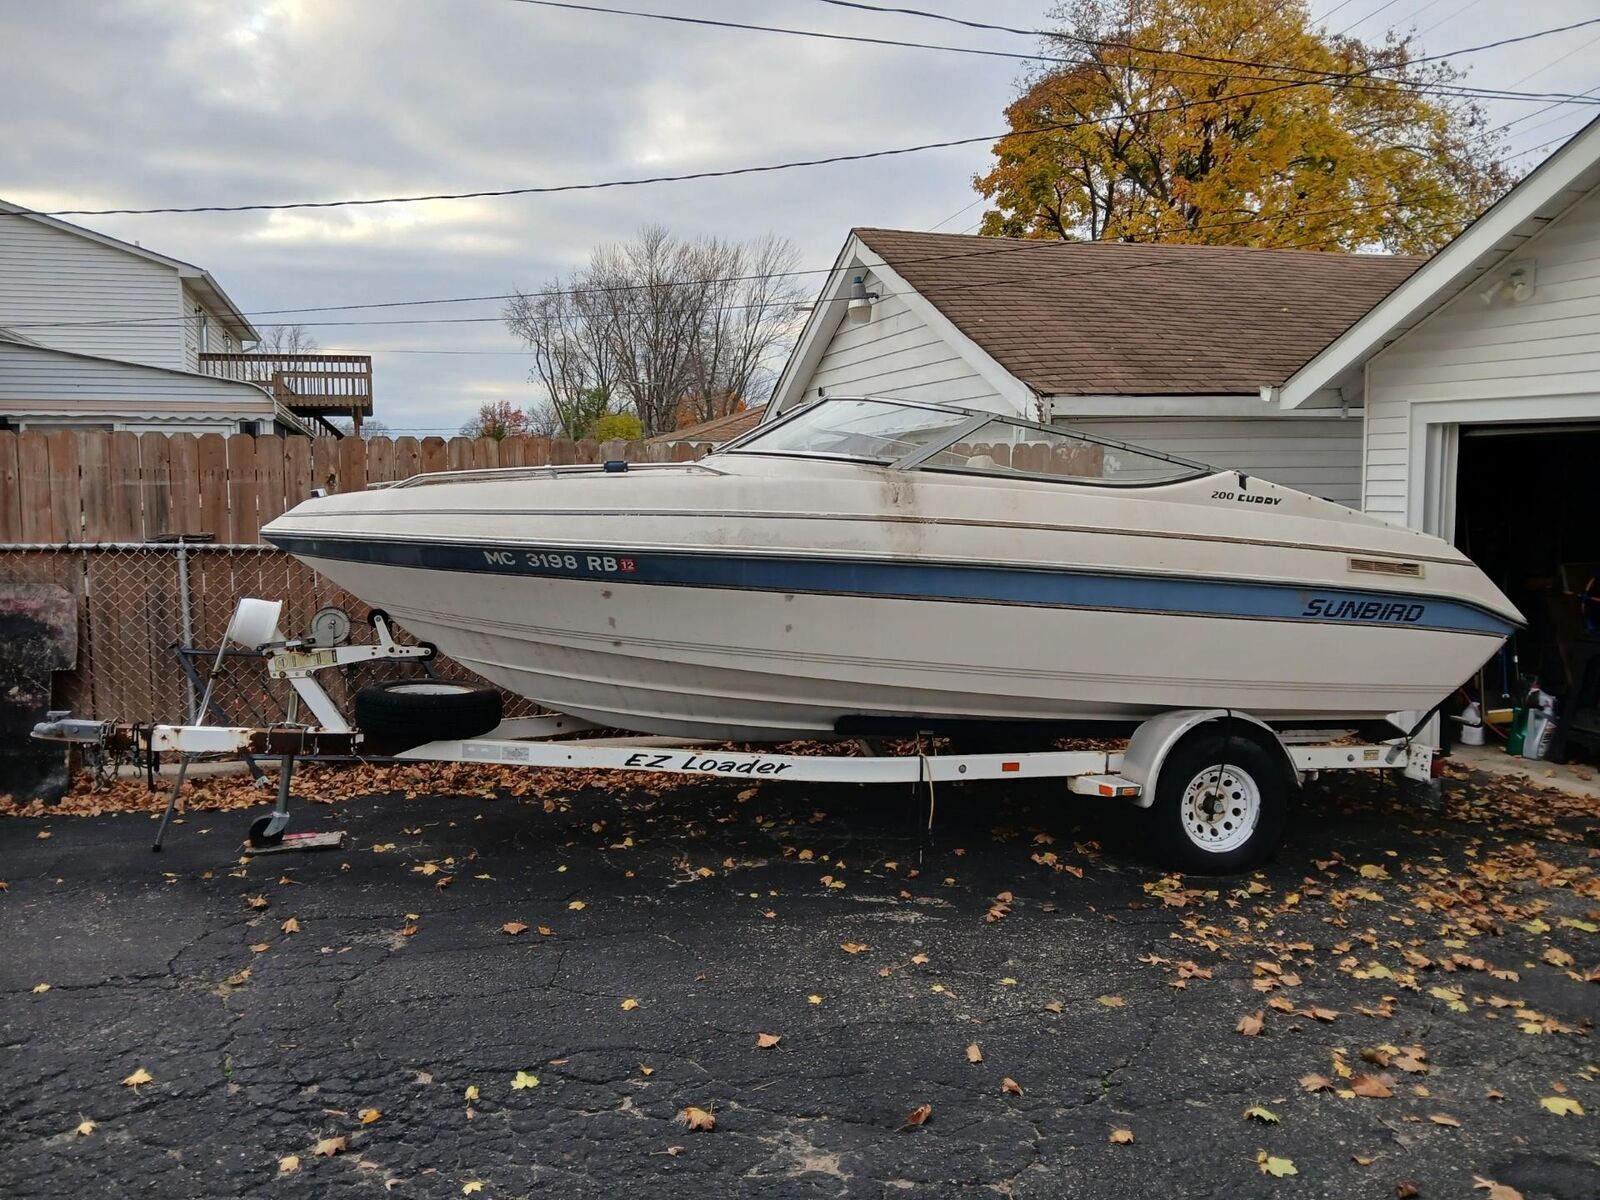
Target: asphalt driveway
(498,995)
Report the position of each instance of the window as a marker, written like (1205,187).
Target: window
(874,430)
(1002,447)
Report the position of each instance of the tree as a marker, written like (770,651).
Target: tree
(497,419)
(369,428)
(618,425)
(1330,144)
(279,340)
(660,325)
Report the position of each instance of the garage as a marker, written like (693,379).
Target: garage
(1478,381)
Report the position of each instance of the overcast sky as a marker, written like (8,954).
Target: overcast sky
(143,103)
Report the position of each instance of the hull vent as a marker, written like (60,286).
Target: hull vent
(1387,566)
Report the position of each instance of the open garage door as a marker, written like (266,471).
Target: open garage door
(1527,510)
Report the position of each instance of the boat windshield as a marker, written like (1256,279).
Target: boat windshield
(919,437)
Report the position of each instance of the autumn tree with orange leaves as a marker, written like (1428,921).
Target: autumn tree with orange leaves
(1237,122)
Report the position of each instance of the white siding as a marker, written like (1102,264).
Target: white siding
(1545,347)
(51,275)
(1320,456)
(897,354)
(41,383)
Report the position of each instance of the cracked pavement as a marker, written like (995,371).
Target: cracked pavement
(717,908)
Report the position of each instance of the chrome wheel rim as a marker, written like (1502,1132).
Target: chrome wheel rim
(1221,808)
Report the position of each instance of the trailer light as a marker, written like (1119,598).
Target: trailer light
(1011,766)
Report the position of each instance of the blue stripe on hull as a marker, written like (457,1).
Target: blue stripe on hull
(923,581)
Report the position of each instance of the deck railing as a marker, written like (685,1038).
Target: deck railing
(310,384)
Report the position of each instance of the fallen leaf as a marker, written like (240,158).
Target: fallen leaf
(329,1146)
(919,959)
(1053,1006)
(1121,1137)
(1562,1106)
(369,1115)
(1276,1167)
(256,902)
(1265,1115)
(1252,1023)
(577,905)
(1111,1001)
(1557,957)
(522,1080)
(1371,1086)
(644,1070)
(974,1054)
(629,1004)
(853,947)
(1444,1119)
(1316,1083)
(766,1041)
(918,1116)
(472,1092)
(292,925)
(44,833)
(813,999)
(288,1164)
(699,1120)
(138,1079)
(1010,1086)
(471,1187)
(1406,1190)
(1497,1191)
(260,948)
(41,987)
(513,928)
(84,1128)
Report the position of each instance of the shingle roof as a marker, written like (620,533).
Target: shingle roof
(718,429)
(1121,318)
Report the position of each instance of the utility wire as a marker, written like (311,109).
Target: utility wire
(986,253)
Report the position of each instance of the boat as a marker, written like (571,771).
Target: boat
(873,563)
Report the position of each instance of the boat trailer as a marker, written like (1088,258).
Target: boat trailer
(1234,773)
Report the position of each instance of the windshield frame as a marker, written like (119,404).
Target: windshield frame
(976,419)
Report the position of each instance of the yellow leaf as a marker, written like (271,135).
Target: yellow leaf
(329,1146)
(472,1092)
(84,1128)
(522,1080)
(629,1004)
(369,1115)
(853,947)
(41,987)
(698,1119)
(292,925)
(1562,1106)
(814,999)
(644,1070)
(138,1078)
(1276,1167)
(1121,1137)
(1265,1115)
(1111,1001)
(767,1041)
(513,928)
(471,1186)
(1373,871)
(288,1164)
(974,1054)
(577,905)
(546,931)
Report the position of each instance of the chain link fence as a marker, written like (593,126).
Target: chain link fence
(145,610)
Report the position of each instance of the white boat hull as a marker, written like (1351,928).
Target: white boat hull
(715,604)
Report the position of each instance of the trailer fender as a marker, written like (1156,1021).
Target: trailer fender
(1151,743)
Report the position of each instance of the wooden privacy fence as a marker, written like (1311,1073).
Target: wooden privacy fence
(96,487)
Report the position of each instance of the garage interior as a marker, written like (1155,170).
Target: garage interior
(1528,513)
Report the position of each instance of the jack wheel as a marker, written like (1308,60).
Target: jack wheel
(266,831)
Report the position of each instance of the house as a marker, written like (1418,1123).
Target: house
(1164,345)
(97,333)
(715,431)
(1481,380)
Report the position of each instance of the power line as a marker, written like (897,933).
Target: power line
(987,253)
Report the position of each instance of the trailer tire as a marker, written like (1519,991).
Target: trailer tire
(1200,830)
(403,713)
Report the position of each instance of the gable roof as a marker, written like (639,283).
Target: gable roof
(719,429)
(197,277)
(1124,318)
(1539,198)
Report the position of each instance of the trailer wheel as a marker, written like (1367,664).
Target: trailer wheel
(1220,803)
(404,713)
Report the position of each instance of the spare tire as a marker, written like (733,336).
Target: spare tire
(403,713)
